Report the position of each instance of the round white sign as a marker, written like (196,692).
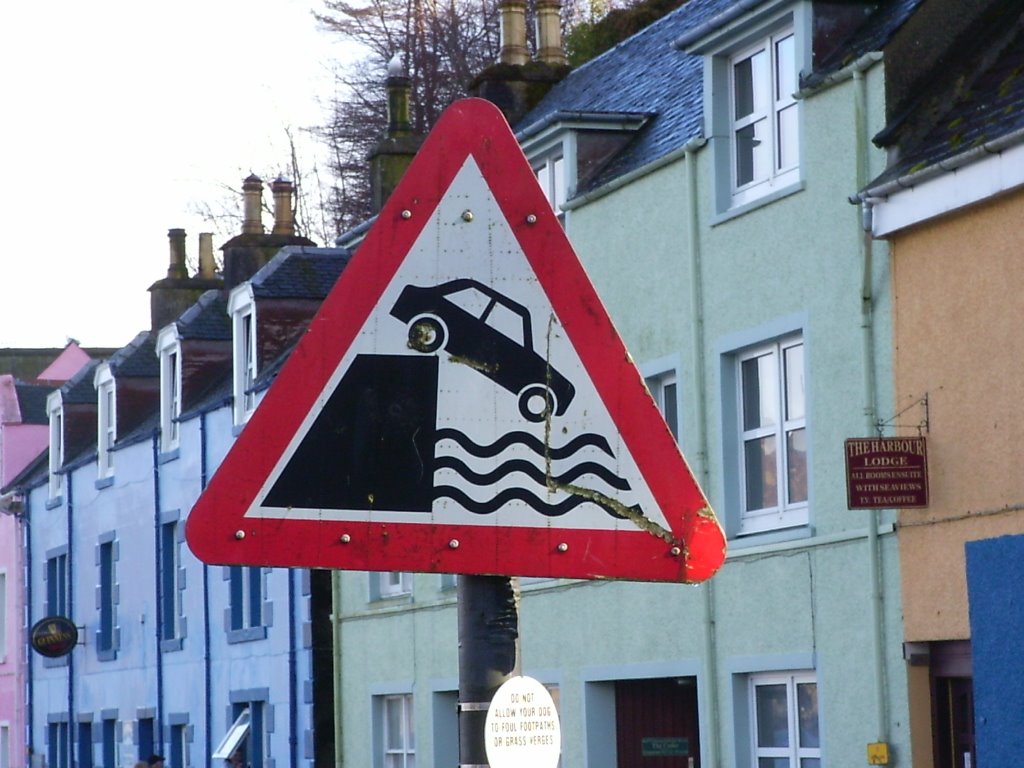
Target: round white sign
(522,726)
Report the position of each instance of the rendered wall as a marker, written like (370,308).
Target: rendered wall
(958,341)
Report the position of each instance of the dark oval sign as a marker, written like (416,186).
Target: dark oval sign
(54,636)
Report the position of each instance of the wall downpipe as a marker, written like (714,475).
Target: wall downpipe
(159,595)
(29,698)
(293,682)
(339,747)
(207,634)
(71,612)
(700,440)
(870,397)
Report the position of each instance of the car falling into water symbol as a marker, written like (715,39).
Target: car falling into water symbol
(489,332)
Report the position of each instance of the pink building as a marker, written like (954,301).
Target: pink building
(24,435)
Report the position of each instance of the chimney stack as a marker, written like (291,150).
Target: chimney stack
(176,268)
(252,196)
(284,218)
(513,33)
(207,266)
(549,33)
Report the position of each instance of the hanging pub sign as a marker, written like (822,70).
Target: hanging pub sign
(886,473)
(54,636)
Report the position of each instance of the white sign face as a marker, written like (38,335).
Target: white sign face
(522,726)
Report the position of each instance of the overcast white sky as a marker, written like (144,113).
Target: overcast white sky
(117,119)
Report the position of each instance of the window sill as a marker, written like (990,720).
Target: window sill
(104,482)
(246,635)
(767,199)
(170,646)
(52,663)
(109,654)
(166,456)
(739,541)
(55,502)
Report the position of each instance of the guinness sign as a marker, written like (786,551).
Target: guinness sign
(54,636)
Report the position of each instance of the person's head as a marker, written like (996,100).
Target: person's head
(235,761)
(155,761)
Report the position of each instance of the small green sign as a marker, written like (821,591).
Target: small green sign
(664,746)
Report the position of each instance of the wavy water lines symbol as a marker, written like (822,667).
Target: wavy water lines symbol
(461,478)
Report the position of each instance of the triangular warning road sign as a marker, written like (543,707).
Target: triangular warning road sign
(461,403)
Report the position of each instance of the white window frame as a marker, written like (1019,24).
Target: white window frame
(399,752)
(106,420)
(168,350)
(242,310)
(552,173)
(772,98)
(785,513)
(234,737)
(664,388)
(795,752)
(55,414)
(388,584)
(3,625)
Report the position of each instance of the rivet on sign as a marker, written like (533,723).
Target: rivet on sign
(563,547)
(345,538)
(239,535)
(467,215)
(531,219)
(453,544)
(676,551)
(406,214)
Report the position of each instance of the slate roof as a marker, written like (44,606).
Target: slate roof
(79,388)
(32,402)
(207,319)
(647,74)
(137,358)
(298,272)
(981,113)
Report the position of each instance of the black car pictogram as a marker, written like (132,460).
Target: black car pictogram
(489,332)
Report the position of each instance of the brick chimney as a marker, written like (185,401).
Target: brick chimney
(392,156)
(515,84)
(169,297)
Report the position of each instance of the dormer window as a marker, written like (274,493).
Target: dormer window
(55,412)
(242,309)
(168,349)
(106,433)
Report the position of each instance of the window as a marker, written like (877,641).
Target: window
(57,583)
(551,175)
(5,747)
(773,439)
(178,746)
(106,422)
(243,745)
(245,614)
(55,412)
(169,352)
(109,744)
(106,598)
(145,728)
(57,744)
(390,584)
(664,390)
(242,309)
(764,134)
(399,732)
(170,585)
(785,721)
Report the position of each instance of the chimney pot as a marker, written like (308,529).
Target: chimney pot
(549,33)
(207,265)
(177,268)
(284,218)
(399,87)
(513,33)
(252,197)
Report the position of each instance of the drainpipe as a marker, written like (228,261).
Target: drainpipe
(870,395)
(71,613)
(29,698)
(700,440)
(159,594)
(293,685)
(207,671)
(339,750)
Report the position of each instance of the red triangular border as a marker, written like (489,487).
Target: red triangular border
(217,529)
